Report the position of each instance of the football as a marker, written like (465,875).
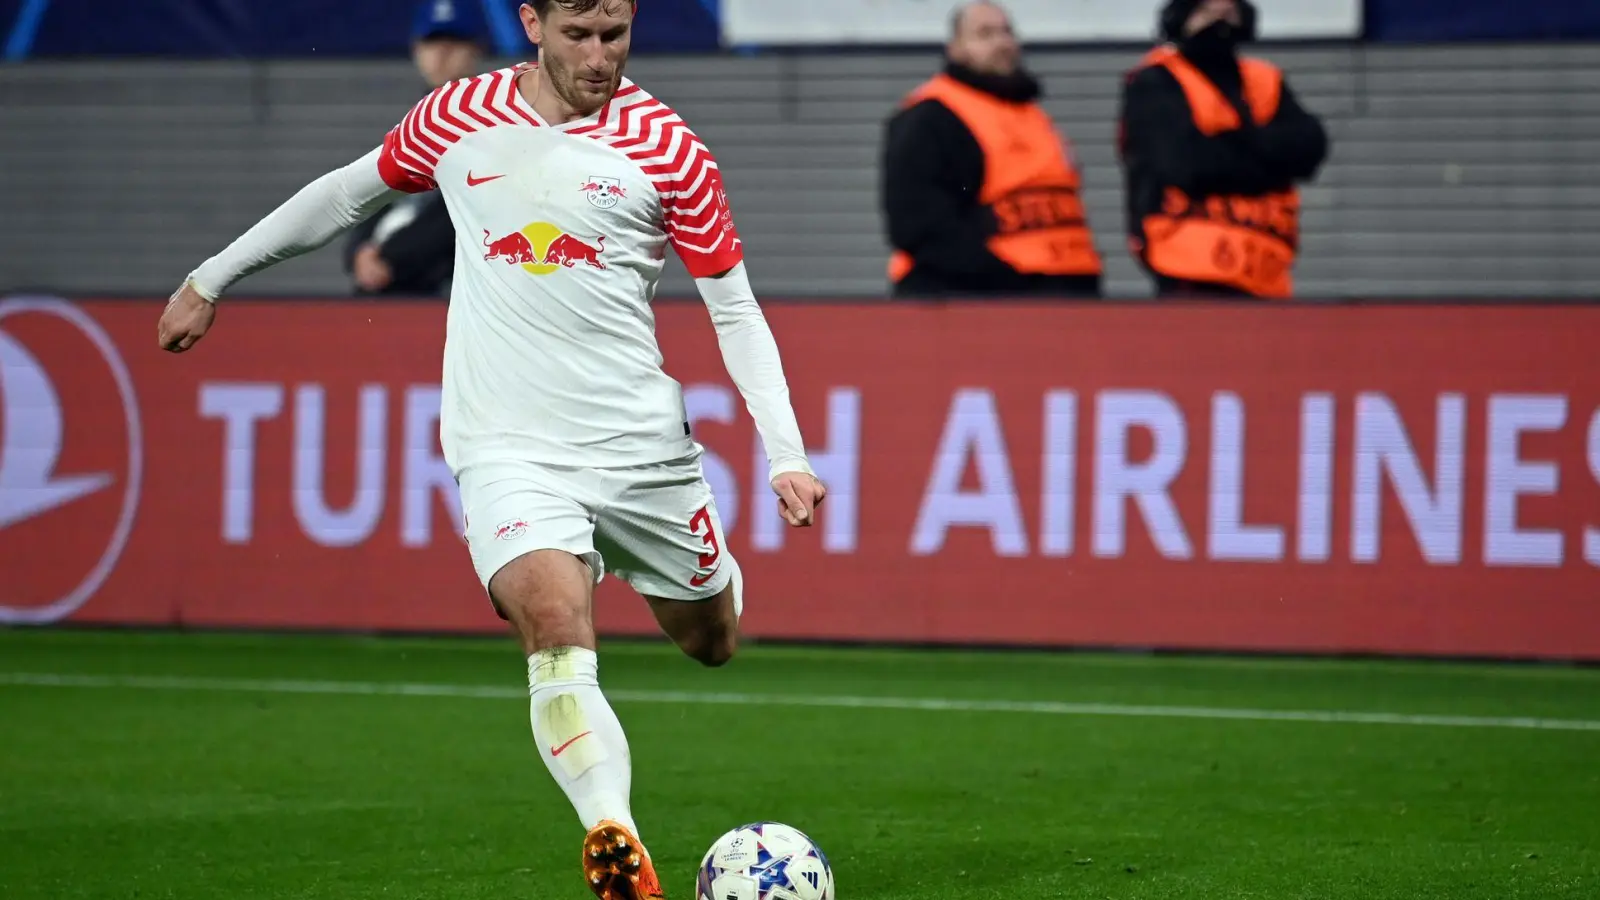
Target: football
(764,861)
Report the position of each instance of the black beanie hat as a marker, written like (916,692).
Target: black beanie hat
(1177,12)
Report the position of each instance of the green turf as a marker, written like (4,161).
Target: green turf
(117,792)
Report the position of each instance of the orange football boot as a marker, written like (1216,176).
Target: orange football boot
(617,867)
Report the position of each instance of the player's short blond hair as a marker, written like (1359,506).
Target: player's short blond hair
(541,8)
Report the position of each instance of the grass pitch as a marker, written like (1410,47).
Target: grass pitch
(239,767)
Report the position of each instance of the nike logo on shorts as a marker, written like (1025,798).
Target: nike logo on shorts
(703,580)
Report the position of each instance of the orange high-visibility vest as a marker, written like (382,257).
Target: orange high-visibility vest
(1249,243)
(1028,181)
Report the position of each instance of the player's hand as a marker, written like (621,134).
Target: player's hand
(186,319)
(371,271)
(799,495)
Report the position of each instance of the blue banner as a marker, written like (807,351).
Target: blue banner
(198,29)
(1419,21)
(295,28)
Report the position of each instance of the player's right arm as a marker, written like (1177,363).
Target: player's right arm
(310,219)
(321,211)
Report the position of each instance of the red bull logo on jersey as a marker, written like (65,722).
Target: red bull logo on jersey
(603,193)
(542,249)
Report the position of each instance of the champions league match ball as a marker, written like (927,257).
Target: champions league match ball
(764,861)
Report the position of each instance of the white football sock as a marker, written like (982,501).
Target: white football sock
(738,589)
(579,736)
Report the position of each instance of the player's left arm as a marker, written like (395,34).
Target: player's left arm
(699,224)
(750,353)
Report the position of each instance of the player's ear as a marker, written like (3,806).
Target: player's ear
(530,24)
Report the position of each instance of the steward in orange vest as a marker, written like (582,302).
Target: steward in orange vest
(980,194)
(1213,146)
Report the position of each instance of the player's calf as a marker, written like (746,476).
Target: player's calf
(579,737)
(546,595)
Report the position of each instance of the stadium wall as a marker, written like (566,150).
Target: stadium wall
(1463,170)
(1321,478)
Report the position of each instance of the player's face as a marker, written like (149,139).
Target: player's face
(583,53)
(985,42)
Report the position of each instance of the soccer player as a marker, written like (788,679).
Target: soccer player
(566,182)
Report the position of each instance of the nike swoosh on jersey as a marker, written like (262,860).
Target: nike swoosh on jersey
(474,182)
(703,580)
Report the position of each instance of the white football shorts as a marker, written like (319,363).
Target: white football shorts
(655,527)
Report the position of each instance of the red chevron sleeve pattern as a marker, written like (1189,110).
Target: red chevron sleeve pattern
(413,148)
(694,205)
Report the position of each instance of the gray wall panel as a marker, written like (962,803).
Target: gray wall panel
(1467,170)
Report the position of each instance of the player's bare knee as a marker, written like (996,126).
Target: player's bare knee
(719,638)
(707,631)
(542,628)
(545,597)
(723,649)
(713,647)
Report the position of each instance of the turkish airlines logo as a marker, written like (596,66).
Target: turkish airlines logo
(69,439)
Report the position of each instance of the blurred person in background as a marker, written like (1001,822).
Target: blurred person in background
(408,248)
(1213,145)
(980,192)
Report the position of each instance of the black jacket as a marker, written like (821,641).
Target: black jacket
(420,252)
(932,175)
(1163,147)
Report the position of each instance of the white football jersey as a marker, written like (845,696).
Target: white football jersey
(561,235)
